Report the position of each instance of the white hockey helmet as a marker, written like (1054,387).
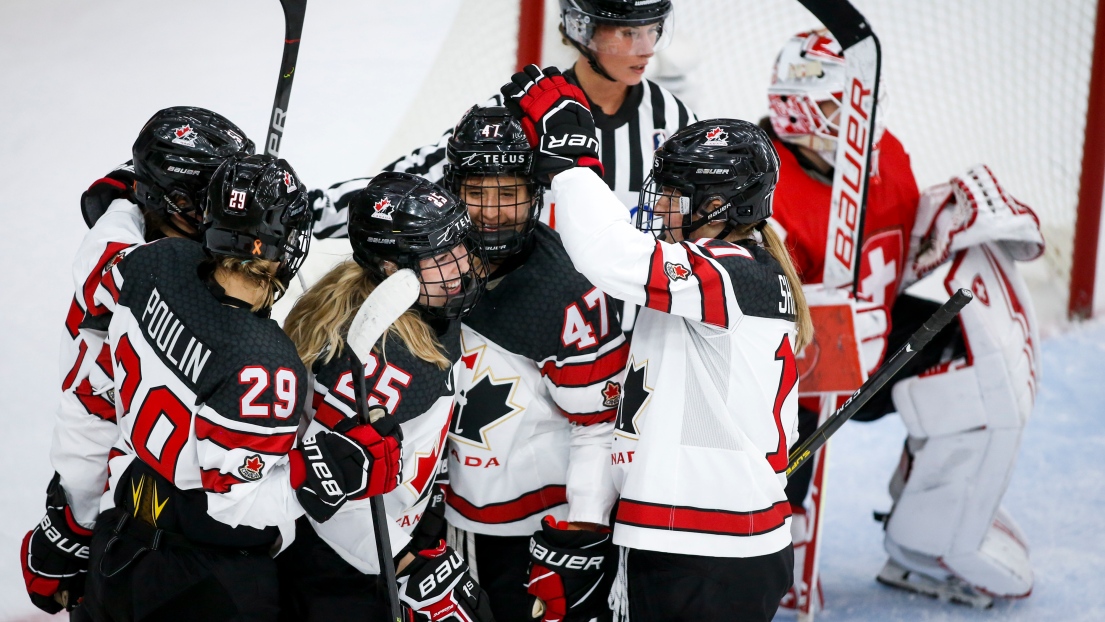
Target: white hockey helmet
(807,92)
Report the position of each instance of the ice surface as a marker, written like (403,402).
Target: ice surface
(78,79)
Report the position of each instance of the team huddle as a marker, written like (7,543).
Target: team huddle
(587,412)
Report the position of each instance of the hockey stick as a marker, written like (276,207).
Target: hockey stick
(856,138)
(945,314)
(293,30)
(384,305)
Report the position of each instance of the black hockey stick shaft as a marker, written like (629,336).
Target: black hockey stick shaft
(379,516)
(850,27)
(293,30)
(918,340)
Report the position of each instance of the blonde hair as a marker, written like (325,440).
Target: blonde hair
(260,273)
(775,246)
(321,317)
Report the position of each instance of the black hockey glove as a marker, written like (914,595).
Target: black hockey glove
(556,118)
(369,456)
(438,586)
(118,184)
(431,526)
(570,572)
(317,481)
(54,555)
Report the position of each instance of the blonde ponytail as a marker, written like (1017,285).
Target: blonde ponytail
(260,273)
(774,245)
(321,318)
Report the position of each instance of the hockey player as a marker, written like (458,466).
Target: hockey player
(616,40)
(952,398)
(153,196)
(541,376)
(205,480)
(711,379)
(331,571)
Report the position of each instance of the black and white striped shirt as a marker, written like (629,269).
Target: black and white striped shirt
(627,141)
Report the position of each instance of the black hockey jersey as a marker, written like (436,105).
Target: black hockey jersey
(208,400)
(420,396)
(540,379)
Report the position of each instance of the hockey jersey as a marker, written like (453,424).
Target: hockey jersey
(420,396)
(540,380)
(84,423)
(208,401)
(627,140)
(709,408)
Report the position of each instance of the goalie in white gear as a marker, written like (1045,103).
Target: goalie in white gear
(965,399)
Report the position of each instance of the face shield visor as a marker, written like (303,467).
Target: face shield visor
(619,38)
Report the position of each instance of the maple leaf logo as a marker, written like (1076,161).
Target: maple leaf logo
(611,394)
(677,271)
(289,182)
(383,209)
(181,132)
(185,135)
(716,136)
(251,469)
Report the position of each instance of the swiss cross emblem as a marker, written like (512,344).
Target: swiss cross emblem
(251,469)
(611,394)
(237,200)
(383,209)
(677,271)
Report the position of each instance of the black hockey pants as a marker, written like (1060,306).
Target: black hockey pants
(668,587)
(137,573)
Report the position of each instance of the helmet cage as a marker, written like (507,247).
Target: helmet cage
(505,218)
(797,118)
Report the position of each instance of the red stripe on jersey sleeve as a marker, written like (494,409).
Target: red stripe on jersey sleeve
(328,416)
(721,522)
(712,287)
(590,372)
(95,404)
(586,419)
(277,444)
(657,291)
(95,276)
(73,318)
(104,361)
(71,377)
(216,481)
(508,511)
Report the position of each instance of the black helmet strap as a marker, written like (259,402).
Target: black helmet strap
(592,60)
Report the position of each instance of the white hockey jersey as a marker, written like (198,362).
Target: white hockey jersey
(208,401)
(420,396)
(540,379)
(709,409)
(84,423)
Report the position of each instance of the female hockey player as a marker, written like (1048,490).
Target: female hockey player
(709,407)
(331,571)
(543,358)
(155,195)
(906,235)
(209,393)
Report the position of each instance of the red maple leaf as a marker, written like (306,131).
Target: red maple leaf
(714,133)
(184,131)
(469,360)
(254,463)
(612,391)
(382,204)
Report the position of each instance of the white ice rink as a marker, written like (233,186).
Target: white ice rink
(77,81)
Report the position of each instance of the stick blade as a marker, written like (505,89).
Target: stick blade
(384,305)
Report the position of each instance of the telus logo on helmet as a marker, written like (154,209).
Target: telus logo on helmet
(383,209)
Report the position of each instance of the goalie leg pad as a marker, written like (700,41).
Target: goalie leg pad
(965,419)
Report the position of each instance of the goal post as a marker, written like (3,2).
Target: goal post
(1088,258)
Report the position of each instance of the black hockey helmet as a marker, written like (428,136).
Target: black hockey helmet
(257,208)
(417,224)
(578,19)
(490,162)
(175,155)
(728,160)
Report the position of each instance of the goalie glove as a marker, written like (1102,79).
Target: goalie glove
(118,184)
(54,555)
(437,586)
(556,119)
(570,573)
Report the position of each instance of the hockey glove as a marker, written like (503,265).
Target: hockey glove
(54,555)
(318,482)
(438,586)
(431,526)
(118,184)
(556,118)
(570,572)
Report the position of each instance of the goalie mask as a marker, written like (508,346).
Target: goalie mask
(807,93)
(257,209)
(719,170)
(176,154)
(413,223)
(490,170)
(636,27)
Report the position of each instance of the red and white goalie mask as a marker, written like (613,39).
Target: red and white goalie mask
(807,91)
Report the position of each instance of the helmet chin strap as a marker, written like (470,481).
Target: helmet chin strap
(592,60)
